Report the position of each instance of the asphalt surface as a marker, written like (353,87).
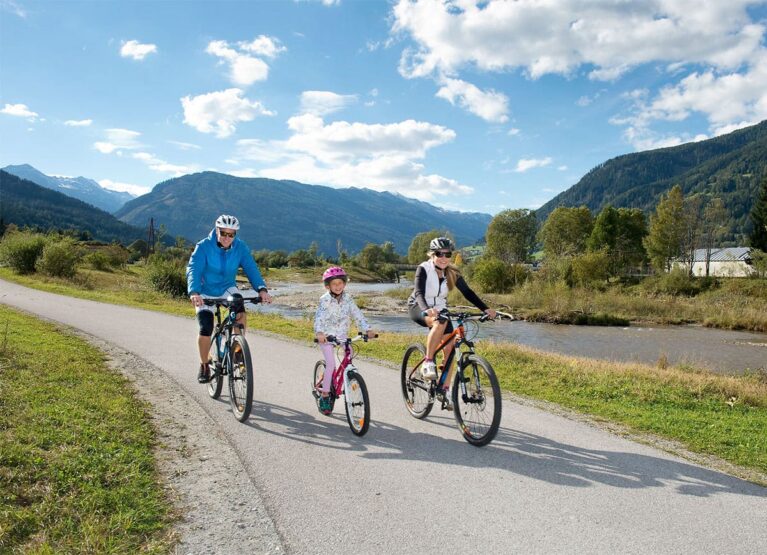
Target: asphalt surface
(547,484)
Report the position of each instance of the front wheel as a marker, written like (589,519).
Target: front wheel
(216,383)
(240,378)
(317,377)
(416,392)
(357,404)
(477,400)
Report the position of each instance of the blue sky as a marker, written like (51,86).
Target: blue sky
(477,106)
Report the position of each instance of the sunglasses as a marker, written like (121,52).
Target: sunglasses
(443,254)
(227,234)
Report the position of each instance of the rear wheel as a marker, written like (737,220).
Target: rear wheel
(416,391)
(216,383)
(478,410)
(357,404)
(240,378)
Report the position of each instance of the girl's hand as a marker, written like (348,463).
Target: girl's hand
(371,334)
(490,313)
(321,338)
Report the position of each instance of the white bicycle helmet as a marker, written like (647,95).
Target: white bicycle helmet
(227,221)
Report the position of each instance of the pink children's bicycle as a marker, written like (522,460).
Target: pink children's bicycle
(346,381)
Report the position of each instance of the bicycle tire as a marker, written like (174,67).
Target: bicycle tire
(415,390)
(319,373)
(216,383)
(240,378)
(357,403)
(477,425)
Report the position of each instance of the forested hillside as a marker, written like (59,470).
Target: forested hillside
(27,204)
(289,215)
(729,167)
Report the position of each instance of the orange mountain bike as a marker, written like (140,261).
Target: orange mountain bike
(475,393)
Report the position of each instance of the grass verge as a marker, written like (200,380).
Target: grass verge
(77,473)
(710,414)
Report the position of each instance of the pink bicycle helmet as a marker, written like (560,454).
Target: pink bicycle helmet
(332,273)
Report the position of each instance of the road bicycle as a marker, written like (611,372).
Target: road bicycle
(475,393)
(230,355)
(346,381)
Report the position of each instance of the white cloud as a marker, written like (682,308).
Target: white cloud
(245,69)
(383,157)
(220,112)
(78,122)
(514,131)
(525,164)
(19,110)
(158,165)
(136,50)
(322,103)
(124,187)
(714,48)
(185,146)
(13,7)
(117,140)
(490,105)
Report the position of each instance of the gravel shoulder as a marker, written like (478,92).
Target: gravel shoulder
(219,509)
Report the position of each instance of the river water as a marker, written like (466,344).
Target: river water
(722,351)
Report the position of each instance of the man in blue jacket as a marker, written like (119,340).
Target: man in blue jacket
(211,272)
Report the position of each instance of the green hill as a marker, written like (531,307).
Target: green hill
(729,167)
(289,215)
(27,204)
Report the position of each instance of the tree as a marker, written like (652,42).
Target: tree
(566,231)
(714,220)
(511,235)
(619,233)
(371,256)
(419,246)
(665,238)
(758,237)
(692,228)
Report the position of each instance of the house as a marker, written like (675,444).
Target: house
(724,262)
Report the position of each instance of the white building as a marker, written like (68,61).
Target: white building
(724,262)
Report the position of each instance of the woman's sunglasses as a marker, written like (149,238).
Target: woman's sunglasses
(227,234)
(443,254)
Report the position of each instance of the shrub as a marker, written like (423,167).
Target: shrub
(20,251)
(495,276)
(98,260)
(59,258)
(590,269)
(677,282)
(167,276)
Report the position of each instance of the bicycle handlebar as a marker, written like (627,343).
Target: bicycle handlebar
(229,300)
(335,341)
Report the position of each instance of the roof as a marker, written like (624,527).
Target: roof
(727,254)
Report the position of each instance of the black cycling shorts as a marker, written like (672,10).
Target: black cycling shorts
(416,315)
(205,320)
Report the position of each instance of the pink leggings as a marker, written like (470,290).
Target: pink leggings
(329,352)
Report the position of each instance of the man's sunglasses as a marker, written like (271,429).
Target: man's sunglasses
(443,254)
(227,233)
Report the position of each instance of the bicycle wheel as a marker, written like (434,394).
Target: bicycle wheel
(357,404)
(415,390)
(240,378)
(478,411)
(216,383)
(319,374)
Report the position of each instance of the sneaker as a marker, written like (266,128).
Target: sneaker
(203,376)
(326,405)
(429,370)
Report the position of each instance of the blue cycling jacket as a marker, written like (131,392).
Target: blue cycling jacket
(212,270)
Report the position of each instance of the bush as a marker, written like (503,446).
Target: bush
(590,269)
(98,260)
(495,276)
(20,251)
(59,258)
(167,276)
(677,282)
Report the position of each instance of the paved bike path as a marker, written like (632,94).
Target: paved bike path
(545,484)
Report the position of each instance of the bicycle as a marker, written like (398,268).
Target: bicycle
(476,394)
(348,382)
(230,355)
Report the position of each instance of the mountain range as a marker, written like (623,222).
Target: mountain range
(730,167)
(25,203)
(87,190)
(288,215)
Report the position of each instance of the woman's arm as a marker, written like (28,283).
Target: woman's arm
(470,295)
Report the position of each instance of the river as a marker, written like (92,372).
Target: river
(722,351)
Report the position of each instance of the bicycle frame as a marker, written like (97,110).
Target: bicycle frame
(458,336)
(339,381)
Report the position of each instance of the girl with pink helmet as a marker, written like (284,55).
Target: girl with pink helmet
(333,317)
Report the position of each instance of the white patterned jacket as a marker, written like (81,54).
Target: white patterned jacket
(334,316)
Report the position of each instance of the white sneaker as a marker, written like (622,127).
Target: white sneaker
(429,370)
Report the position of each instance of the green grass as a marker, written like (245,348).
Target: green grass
(77,473)
(706,413)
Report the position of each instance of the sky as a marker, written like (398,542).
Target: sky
(468,105)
